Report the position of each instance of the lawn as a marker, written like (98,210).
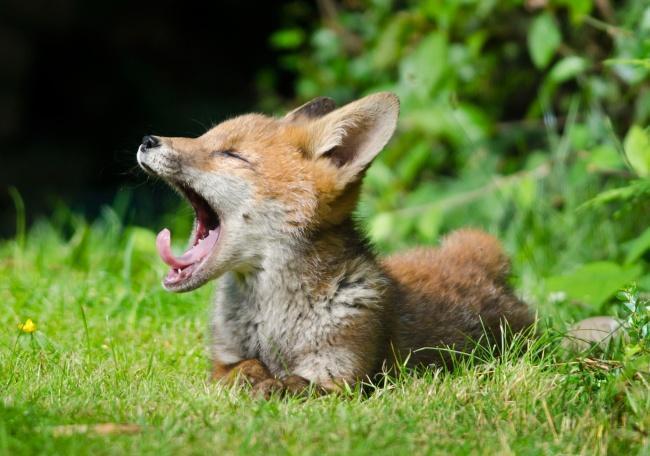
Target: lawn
(112,348)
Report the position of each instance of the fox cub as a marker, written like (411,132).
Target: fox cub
(302,298)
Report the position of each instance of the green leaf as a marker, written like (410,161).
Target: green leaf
(525,192)
(379,176)
(637,247)
(422,70)
(381,226)
(544,38)
(462,125)
(605,157)
(568,68)
(288,38)
(390,42)
(578,9)
(637,150)
(594,283)
(413,161)
(428,224)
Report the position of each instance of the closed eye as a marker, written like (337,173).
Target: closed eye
(230,154)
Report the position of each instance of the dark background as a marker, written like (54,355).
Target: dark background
(82,81)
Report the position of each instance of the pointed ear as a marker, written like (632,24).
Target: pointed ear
(352,136)
(313,109)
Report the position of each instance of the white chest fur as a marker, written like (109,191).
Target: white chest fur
(285,316)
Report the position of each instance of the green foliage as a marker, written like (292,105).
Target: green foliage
(288,38)
(637,321)
(637,247)
(637,150)
(544,38)
(594,283)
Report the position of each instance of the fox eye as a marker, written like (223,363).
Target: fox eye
(229,153)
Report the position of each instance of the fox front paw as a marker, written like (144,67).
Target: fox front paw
(247,372)
(268,388)
(293,385)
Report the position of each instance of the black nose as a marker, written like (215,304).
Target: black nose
(149,142)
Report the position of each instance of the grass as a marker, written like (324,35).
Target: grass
(112,347)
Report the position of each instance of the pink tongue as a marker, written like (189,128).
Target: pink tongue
(193,255)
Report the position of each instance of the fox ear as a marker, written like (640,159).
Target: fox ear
(352,136)
(313,109)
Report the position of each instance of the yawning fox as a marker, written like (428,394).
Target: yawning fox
(302,298)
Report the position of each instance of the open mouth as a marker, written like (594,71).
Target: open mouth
(206,235)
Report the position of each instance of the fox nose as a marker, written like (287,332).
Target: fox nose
(149,142)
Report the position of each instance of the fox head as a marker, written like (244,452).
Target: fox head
(257,183)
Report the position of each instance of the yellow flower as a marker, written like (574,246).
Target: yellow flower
(29,326)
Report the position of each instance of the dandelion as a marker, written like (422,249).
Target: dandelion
(28,327)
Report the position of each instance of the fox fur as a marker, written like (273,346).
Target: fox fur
(302,298)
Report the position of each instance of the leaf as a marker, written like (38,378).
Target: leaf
(568,68)
(381,226)
(429,222)
(288,38)
(525,192)
(390,42)
(423,69)
(413,161)
(544,38)
(594,283)
(605,157)
(637,247)
(637,150)
(462,125)
(379,176)
(578,9)
(644,283)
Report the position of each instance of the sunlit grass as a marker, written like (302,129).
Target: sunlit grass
(108,346)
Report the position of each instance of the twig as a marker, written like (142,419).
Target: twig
(611,30)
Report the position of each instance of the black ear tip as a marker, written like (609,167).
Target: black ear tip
(314,109)
(326,103)
(318,107)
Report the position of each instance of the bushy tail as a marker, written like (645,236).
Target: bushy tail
(470,246)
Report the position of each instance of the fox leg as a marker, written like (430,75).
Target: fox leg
(251,371)
(254,373)
(293,385)
(324,372)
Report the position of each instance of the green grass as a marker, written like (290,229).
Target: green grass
(112,347)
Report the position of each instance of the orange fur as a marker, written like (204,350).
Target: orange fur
(458,294)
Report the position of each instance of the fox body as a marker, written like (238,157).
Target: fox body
(302,298)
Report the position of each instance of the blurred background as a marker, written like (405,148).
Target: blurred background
(525,117)
(82,82)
